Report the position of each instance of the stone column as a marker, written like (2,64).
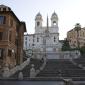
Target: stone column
(6,72)
(21,56)
(68,82)
(20,76)
(32,72)
(6,66)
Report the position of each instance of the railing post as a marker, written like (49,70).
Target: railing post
(20,76)
(6,72)
(32,72)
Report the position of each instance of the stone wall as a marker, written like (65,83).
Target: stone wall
(57,55)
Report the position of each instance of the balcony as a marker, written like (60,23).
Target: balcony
(3,43)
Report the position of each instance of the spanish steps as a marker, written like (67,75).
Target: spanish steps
(56,68)
(26,71)
(61,68)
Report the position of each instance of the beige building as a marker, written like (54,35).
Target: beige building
(76,36)
(11,38)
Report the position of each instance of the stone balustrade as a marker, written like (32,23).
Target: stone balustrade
(7,73)
(33,72)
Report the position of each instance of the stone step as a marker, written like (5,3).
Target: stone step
(64,68)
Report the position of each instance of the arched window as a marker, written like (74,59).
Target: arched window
(54,39)
(54,22)
(37,39)
(38,23)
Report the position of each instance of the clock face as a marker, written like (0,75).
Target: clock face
(29,52)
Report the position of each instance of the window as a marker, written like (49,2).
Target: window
(1,53)
(29,45)
(38,23)
(2,19)
(9,53)
(54,39)
(16,42)
(37,39)
(33,40)
(26,43)
(54,22)
(10,35)
(25,38)
(1,35)
(33,44)
(4,9)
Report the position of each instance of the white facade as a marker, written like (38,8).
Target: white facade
(44,38)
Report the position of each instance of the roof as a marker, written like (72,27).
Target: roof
(39,14)
(74,28)
(54,15)
(8,10)
(3,6)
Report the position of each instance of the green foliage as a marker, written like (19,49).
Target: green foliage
(65,46)
(82,50)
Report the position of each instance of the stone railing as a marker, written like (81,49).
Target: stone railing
(63,55)
(33,72)
(57,55)
(7,73)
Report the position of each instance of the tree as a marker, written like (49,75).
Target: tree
(82,50)
(65,46)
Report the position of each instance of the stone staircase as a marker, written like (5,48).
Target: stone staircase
(26,71)
(55,68)
(80,60)
(61,68)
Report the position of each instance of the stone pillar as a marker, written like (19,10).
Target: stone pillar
(5,57)
(32,72)
(6,72)
(20,76)
(68,82)
(5,66)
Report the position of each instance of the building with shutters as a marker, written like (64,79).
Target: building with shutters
(11,38)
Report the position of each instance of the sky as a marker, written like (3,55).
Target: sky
(69,12)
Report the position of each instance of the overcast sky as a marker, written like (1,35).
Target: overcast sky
(69,12)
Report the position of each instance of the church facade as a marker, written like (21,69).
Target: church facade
(45,38)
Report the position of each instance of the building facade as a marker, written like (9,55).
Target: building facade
(11,38)
(45,37)
(76,37)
